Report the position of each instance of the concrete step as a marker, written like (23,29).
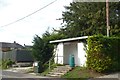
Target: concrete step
(64,71)
(53,75)
(59,71)
(63,67)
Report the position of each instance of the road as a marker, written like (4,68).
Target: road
(9,74)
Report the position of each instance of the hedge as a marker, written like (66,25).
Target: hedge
(103,53)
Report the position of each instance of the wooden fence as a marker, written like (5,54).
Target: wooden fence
(18,55)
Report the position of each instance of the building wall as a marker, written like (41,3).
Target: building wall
(70,49)
(64,50)
(81,54)
(59,53)
(6,49)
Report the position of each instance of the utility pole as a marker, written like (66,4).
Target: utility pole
(107,17)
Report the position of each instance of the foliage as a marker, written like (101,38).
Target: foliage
(89,19)
(42,50)
(52,36)
(7,63)
(46,71)
(103,54)
(79,19)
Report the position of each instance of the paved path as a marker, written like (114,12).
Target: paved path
(114,75)
(19,69)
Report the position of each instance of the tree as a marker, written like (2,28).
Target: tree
(89,19)
(42,49)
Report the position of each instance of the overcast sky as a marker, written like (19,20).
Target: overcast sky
(23,31)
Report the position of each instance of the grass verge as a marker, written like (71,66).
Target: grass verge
(82,72)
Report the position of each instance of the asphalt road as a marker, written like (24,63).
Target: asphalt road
(9,74)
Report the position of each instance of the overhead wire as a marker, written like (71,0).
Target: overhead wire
(29,14)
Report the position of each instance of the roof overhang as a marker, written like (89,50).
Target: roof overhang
(69,39)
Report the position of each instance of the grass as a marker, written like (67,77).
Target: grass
(5,64)
(46,71)
(82,72)
(78,73)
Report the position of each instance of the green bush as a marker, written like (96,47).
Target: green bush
(103,54)
(7,63)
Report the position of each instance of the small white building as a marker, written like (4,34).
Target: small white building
(71,46)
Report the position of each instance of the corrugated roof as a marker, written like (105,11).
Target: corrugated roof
(69,39)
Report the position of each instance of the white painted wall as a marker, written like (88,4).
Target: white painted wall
(64,50)
(59,53)
(70,49)
(81,55)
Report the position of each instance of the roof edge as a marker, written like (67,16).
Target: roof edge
(69,39)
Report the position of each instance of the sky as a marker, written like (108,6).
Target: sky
(24,31)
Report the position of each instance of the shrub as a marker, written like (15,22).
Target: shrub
(7,63)
(103,54)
